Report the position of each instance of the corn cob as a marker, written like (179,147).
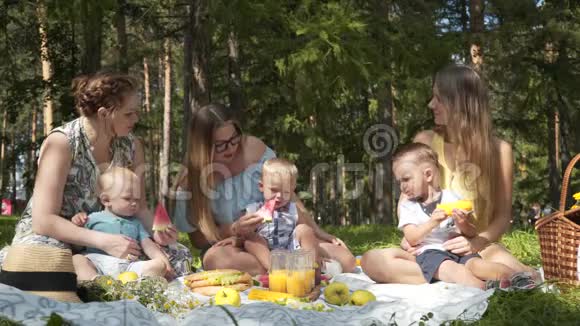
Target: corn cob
(265,295)
(465,205)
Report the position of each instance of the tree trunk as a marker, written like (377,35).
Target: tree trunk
(73,30)
(92,17)
(32,158)
(164,162)
(553,173)
(121,26)
(46,66)
(371,200)
(314,190)
(385,202)
(235,79)
(200,56)
(477,28)
(332,209)
(563,111)
(150,148)
(550,57)
(14,164)
(464,17)
(187,77)
(343,207)
(3,149)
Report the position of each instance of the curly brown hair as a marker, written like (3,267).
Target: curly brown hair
(101,90)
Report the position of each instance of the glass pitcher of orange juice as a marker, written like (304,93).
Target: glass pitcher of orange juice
(309,269)
(278,270)
(296,275)
(299,276)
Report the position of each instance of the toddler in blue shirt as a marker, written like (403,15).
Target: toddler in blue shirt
(119,190)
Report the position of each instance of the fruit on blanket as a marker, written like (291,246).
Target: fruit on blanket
(127,277)
(361,297)
(265,295)
(228,296)
(337,293)
(466,205)
(161,220)
(267,211)
(262,280)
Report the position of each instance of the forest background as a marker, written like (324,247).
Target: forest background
(333,85)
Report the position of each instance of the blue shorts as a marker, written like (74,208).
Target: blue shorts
(430,260)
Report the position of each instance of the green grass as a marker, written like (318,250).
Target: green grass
(523,308)
(7,229)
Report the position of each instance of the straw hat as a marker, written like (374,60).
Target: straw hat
(41,270)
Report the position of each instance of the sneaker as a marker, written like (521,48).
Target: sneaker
(517,282)
(503,285)
(525,281)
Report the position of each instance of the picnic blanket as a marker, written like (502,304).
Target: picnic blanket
(396,304)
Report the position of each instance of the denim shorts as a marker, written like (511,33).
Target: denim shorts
(430,260)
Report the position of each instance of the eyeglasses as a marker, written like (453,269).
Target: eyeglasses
(222,146)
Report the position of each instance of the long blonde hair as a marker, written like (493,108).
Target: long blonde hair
(198,162)
(470,127)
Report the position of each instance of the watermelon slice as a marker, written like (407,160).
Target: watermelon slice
(267,211)
(161,221)
(262,280)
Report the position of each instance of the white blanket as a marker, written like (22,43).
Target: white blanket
(396,303)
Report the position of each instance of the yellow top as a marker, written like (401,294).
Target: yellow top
(461,180)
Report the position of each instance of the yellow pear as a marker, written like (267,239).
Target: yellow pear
(227,296)
(361,297)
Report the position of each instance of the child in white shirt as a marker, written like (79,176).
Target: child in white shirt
(415,167)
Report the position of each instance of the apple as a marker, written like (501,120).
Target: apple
(227,296)
(337,293)
(127,277)
(361,297)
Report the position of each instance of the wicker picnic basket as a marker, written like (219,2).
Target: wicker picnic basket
(559,235)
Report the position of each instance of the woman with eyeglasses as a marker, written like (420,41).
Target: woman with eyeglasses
(222,171)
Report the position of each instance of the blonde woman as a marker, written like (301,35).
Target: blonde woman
(222,175)
(473,163)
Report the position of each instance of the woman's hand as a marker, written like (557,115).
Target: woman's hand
(167,237)
(337,241)
(463,217)
(246,224)
(413,250)
(120,246)
(170,274)
(464,221)
(322,235)
(465,246)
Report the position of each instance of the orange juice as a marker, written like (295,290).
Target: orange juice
(295,283)
(277,280)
